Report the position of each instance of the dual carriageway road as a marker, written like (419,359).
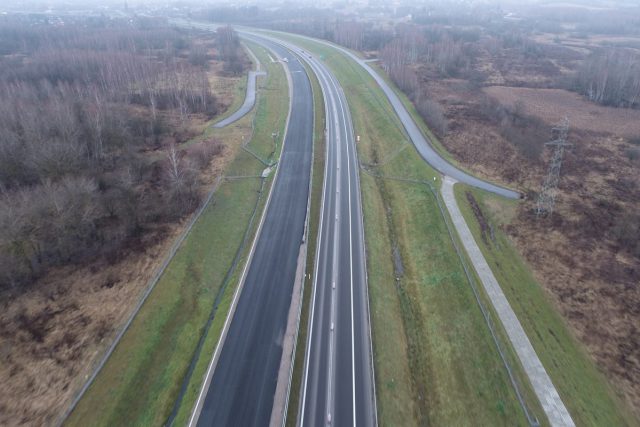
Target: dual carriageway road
(338,374)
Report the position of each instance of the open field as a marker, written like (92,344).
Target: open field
(552,104)
(592,400)
(426,369)
(142,378)
(579,256)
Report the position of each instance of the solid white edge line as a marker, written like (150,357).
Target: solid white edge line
(318,247)
(306,240)
(366,279)
(209,374)
(361,231)
(361,235)
(349,141)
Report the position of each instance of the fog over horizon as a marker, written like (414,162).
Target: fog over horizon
(50,4)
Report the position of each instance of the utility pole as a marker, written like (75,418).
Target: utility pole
(547,197)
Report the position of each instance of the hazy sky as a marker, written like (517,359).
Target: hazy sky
(29,4)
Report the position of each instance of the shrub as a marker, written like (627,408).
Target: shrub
(433,115)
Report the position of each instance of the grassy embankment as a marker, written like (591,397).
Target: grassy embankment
(140,382)
(585,391)
(434,358)
(589,398)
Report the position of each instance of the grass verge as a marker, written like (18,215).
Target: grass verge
(139,383)
(434,358)
(584,390)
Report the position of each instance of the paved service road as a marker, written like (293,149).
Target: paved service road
(421,143)
(241,389)
(247,105)
(544,389)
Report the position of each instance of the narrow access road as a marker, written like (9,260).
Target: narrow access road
(422,144)
(241,379)
(555,410)
(552,404)
(249,101)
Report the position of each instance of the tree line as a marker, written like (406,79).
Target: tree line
(610,77)
(78,112)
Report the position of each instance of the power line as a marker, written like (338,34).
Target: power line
(547,197)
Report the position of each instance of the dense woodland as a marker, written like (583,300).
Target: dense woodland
(84,116)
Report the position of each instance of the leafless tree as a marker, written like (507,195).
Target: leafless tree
(611,77)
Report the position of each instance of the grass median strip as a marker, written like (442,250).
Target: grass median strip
(585,392)
(435,361)
(140,381)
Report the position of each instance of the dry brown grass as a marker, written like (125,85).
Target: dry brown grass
(553,104)
(53,333)
(593,282)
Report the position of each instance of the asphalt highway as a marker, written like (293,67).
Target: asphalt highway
(338,385)
(241,389)
(422,144)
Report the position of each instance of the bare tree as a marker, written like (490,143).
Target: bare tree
(611,77)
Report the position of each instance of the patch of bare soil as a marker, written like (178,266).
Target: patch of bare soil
(553,104)
(577,255)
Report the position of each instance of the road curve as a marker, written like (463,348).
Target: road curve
(421,143)
(241,382)
(249,101)
(552,404)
